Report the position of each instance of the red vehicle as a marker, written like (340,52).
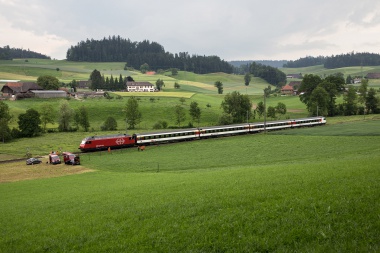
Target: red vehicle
(70,158)
(107,141)
(54,159)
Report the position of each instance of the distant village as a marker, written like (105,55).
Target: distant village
(14,89)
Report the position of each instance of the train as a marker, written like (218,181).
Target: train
(94,143)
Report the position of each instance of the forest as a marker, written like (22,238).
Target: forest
(135,54)
(7,53)
(337,61)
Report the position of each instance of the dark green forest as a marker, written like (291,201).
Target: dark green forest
(337,61)
(135,54)
(7,53)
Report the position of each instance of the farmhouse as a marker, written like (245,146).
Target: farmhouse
(140,87)
(17,88)
(287,90)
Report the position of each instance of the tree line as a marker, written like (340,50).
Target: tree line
(320,94)
(337,61)
(7,53)
(135,54)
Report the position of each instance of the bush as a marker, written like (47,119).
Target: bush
(160,125)
(109,124)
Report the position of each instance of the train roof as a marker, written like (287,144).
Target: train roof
(100,137)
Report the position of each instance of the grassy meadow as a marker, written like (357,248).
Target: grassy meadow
(298,190)
(301,190)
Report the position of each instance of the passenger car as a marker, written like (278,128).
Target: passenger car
(32,161)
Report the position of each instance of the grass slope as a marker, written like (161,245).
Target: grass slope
(253,193)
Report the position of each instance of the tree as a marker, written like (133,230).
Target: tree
(29,123)
(247,79)
(260,109)
(174,71)
(144,68)
(47,115)
(349,79)
(176,85)
(110,124)
(237,105)
(271,112)
(182,100)
(363,89)
(371,102)
(65,115)
(97,81)
(48,82)
(219,86)
(159,84)
(195,111)
(318,102)
(281,108)
(180,114)
(308,84)
(5,117)
(73,85)
(83,118)
(132,113)
(350,104)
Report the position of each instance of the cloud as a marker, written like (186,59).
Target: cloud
(240,29)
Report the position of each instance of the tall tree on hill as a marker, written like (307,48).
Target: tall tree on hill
(372,102)
(180,114)
(65,115)
(219,86)
(195,112)
(350,101)
(132,112)
(237,105)
(97,82)
(5,117)
(48,115)
(48,82)
(247,79)
(29,123)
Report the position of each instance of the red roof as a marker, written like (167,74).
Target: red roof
(22,87)
(287,87)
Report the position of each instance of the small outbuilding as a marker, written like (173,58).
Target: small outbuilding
(287,90)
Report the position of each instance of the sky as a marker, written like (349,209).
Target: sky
(232,30)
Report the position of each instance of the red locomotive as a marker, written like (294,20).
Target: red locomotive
(107,141)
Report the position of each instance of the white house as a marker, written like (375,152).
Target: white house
(140,87)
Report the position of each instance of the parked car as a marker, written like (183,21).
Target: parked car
(70,158)
(54,159)
(32,161)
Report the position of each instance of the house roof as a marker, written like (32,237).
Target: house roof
(287,87)
(21,87)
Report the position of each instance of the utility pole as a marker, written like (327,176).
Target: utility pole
(265,112)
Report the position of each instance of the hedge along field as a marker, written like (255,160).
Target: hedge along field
(252,193)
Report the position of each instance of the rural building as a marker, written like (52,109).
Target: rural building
(12,89)
(296,76)
(287,90)
(373,76)
(49,93)
(140,87)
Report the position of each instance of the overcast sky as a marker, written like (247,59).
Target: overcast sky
(230,29)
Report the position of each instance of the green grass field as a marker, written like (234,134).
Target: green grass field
(305,190)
